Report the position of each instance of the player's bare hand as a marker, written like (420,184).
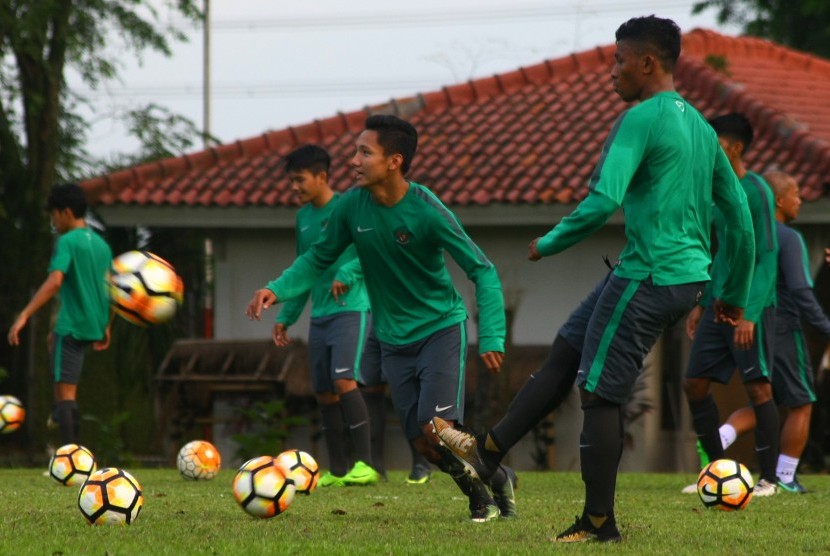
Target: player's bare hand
(280,335)
(14,331)
(338,288)
(532,251)
(492,360)
(827,255)
(726,313)
(744,333)
(101,345)
(262,299)
(692,321)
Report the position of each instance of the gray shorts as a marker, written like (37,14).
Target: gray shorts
(66,361)
(574,328)
(715,356)
(792,377)
(426,378)
(335,348)
(628,317)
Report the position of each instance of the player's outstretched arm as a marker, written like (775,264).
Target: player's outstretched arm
(493,360)
(262,299)
(50,287)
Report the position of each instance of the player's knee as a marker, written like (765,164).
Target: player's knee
(696,389)
(759,391)
(327,398)
(344,385)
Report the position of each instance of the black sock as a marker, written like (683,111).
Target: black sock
(705,420)
(767,426)
(66,412)
(356,418)
(376,406)
(600,449)
(474,489)
(331,417)
(544,391)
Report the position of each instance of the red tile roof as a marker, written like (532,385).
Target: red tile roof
(531,135)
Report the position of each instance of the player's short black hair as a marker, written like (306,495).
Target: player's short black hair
(313,158)
(654,35)
(67,195)
(735,127)
(396,136)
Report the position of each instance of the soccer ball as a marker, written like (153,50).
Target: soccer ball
(725,484)
(301,468)
(261,488)
(71,465)
(144,288)
(12,414)
(199,459)
(110,496)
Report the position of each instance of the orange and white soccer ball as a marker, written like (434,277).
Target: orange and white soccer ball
(12,414)
(71,465)
(725,484)
(199,460)
(144,288)
(111,496)
(261,488)
(301,468)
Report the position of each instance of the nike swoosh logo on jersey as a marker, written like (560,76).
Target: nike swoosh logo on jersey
(440,409)
(361,230)
(343,370)
(304,228)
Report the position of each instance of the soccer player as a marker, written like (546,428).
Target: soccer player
(340,325)
(663,165)
(718,349)
(79,275)
(792,377)
(401,232)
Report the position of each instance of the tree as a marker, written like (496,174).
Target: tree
(41,133)
(800,24)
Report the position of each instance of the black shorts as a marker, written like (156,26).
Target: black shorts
(66,360)
(335,348)
(792,377)
(628,318)
(715,356)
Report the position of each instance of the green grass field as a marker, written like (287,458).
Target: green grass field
(37,516)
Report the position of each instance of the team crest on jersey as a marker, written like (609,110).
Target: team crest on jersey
(403,236)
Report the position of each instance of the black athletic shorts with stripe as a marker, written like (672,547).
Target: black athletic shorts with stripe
(792,376)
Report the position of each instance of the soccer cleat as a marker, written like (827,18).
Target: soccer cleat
(505,496)
(484,512)
(329,480)
(764,488)
(690,489)
(419,475)
(464,447)
(793,486)
(583,531)
(361,474)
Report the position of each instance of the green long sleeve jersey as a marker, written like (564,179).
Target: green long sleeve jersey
(310,223)
(663,165)
(401,249)
(762,287)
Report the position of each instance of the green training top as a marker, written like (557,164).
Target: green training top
(310,223)
(85,259)
(401,249)
(662,163)
(762,208)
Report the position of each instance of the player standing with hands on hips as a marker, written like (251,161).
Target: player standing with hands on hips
(401,232)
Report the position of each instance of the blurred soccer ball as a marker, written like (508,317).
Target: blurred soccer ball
(301,468)
(71,465)
(144,288)
(725,484)
(12,414)
(199,460)
(261,488)
(111,496)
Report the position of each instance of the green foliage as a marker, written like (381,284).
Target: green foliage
(718,63)
(109,448)
(269,424)
(800,24)
(37,516)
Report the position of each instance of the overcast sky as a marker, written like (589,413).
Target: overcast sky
(276,63)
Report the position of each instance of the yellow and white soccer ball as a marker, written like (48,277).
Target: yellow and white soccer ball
(71,465)
(725,484)
(301,468)
(111,496)
(12,414)
(144,288)
(199,460)
(261,488)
